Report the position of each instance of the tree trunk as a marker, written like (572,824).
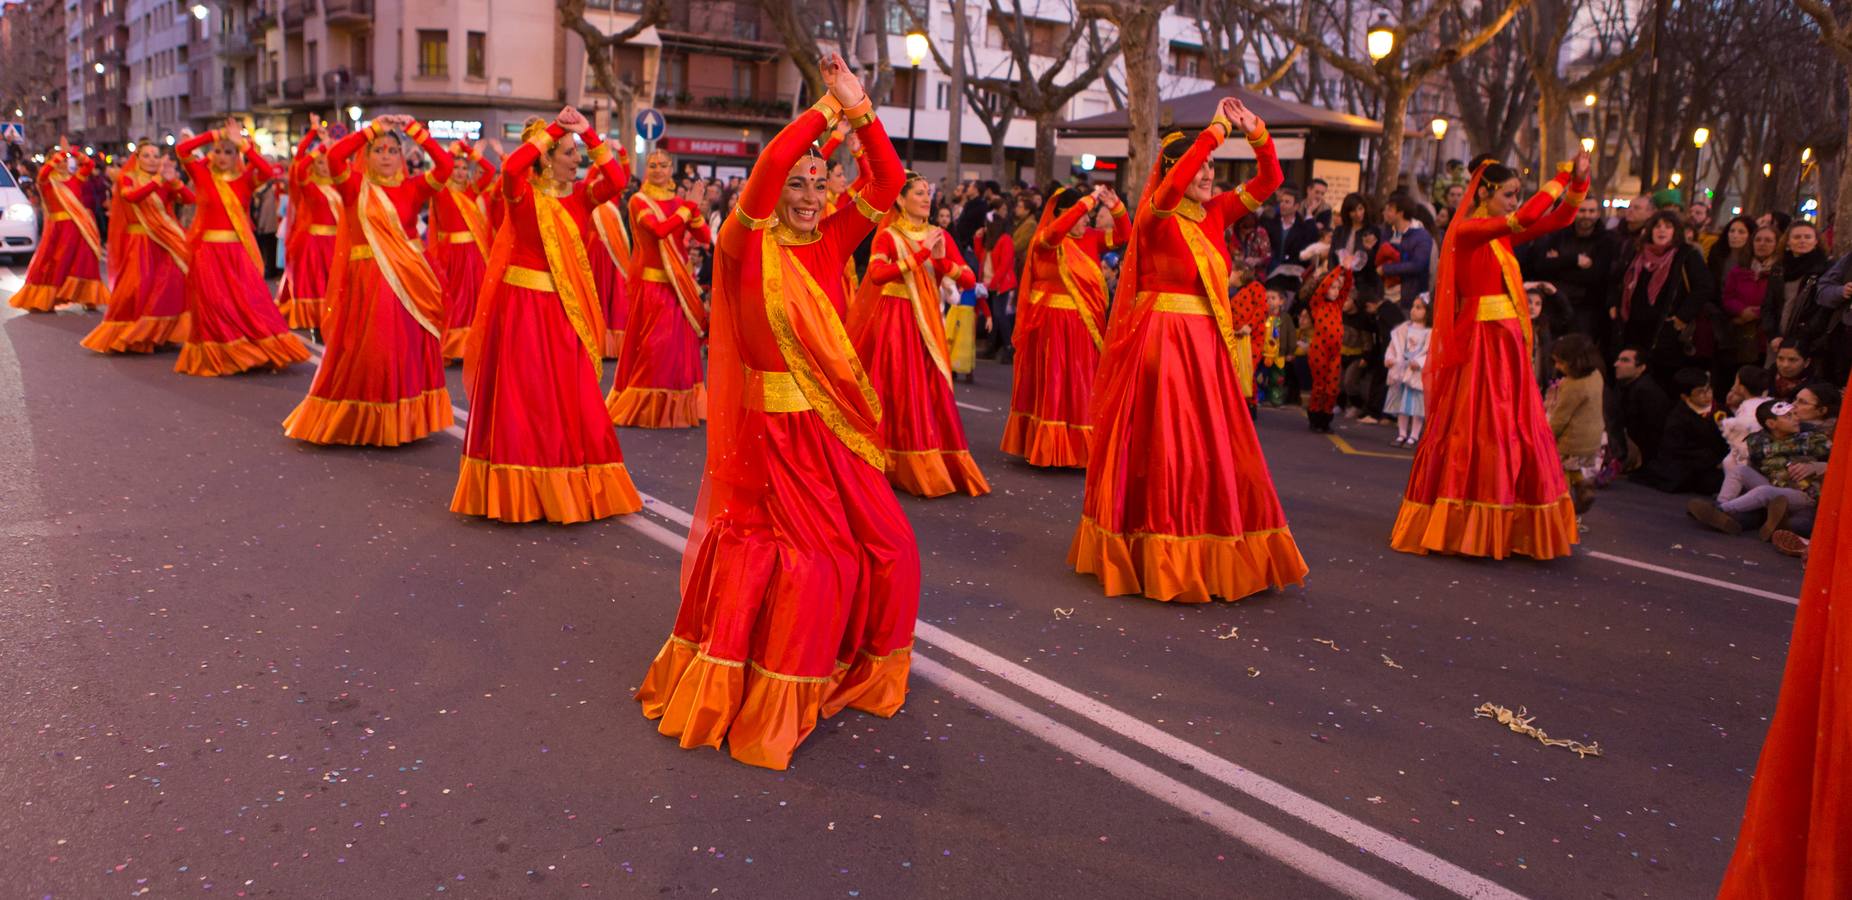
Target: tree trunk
(1045,146)
(955,128)
(999,154)
(1138,41)
(1842,205)
(1552,126)
(1395,95)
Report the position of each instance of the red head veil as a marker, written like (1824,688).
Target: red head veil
(1444,358)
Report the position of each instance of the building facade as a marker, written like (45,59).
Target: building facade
(97,73)
(159,58)
(32,83)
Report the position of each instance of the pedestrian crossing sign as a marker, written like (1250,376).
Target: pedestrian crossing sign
(14,132)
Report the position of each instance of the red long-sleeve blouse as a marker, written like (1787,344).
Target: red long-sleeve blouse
(408,194)
(54,169)
(1092,241)
(445,217)
(1162,244)
(585,195)
(211,206)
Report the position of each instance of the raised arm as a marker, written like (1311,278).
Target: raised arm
(191,145)
(85,167)
(340,155)
(487,178)
(261,169)
(610,172)
(441,163)
(517,165)
(1050,234)
(1267,178)
(878,180)
(304,157)
(51,165)
(1170,190)
(1121,230)
(1546,219)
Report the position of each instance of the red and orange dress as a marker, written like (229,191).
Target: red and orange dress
(836,200)
(314,223)
(1179,504)
(607,244)
(67,267)
(1060,329)
(148,260)
(1487,480)
(900,336)
(540,445)
(801,581)
(659,368)
(459,248)
(234,324)
(381,381)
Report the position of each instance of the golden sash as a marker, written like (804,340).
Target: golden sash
(240,219)
(473,219)
(405,269)
(152,215)
(79,214)
(611,234)
(1214,273)
(676,262)
(572,275)
(817,350)
(1085,283)
(922,284)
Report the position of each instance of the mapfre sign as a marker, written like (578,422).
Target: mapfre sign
(709,147)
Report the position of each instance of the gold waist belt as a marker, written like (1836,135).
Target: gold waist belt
(365,251)
(532,279)
(1174,302)
(324,230)
(220,236)
(456,237)
(896,289)
(774,392)
(1054,300)
(657,275)
(58,217)
(1497,307)
(137,229)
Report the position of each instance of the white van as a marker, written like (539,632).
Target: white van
(19,221)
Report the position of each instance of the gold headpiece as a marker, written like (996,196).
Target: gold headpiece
(534,127)
(1172,138)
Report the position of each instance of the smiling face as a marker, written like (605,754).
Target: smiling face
(148,159)
(385,158)
(658,171)
(800,204)
(1202,187)
(916,200)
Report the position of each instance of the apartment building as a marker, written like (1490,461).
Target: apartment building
(97,72)
(32,38)
(159,60)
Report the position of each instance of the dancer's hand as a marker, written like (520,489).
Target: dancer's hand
(935,243)
(1245,119)
(572,120)
(841,82)
(1582,166)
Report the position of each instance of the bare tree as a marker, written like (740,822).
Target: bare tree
(1231,35)
(985,94)
(1042,96)
(1394,78)
(1137,23)
(1491,89)
(806,25)
(1546,27)
(600,55)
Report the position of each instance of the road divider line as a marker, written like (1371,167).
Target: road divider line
(1688,576)
(1345,447)
(972,407)
(1313,863)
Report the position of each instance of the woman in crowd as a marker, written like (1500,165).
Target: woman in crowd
(381,380)
(898,333)
(1179,505)
(801,580)
(1487,480)
(458,244)
(234,324)
(147,258)
(1659,296)
(314,222)
(1749,287)
(1802,264)
(67,266)
(540,445)
(1060,329)
(659,368)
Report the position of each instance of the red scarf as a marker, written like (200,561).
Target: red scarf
(1656,262)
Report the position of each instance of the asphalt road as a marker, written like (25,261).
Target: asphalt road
(245,666)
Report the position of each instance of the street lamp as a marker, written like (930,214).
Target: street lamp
(1768,169)
(1590,101)
(1806,155)
(1588,145)
(98,67)
(1439,127)
(1699,138)
(1380,40)
(916,53)
(200,11)
(1676,178)
(353,112)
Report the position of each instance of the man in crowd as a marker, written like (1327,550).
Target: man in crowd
(970,218)
(1579,260)
(1291,231)
(1316,206)
(1636,411)
(1415,246)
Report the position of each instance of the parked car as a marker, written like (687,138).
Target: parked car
(19,221)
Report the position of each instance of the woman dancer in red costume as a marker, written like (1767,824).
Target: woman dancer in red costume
(66,267)
(801,581)
(381,381)
(147,258)
(900,336)
(659,369)
(1179,504)
(1060,328)
(459,243)
(607,243)
(539,444)
(234,326)
(1487,480)
(314,222)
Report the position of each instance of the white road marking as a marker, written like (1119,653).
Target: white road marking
(1312,863)
(973,408)
(1713,582)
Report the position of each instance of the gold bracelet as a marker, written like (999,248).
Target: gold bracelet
(601,153)
(831,108)
(861,113)
(1228,127)
(739,212)
(866,208)
(415,131)
(1259,137)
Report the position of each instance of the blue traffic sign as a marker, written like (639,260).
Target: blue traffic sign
(12,131)
(650,124)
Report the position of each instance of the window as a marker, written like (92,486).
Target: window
(434,53)
(745,80)
(905,91)
(898,22)
(360,57)
(945,93)
(312,60)
(1186,61)
(476,55)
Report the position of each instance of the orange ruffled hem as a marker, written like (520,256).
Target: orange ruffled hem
(562,494)
(278,351)
(359,422)
(635,407)
(762,716)
(1193,569)
(1042,442)
(144,335)
(935,473)
(1469,528)
(456,340)
(303,313)
(89,292)
(613,342)
(38,298)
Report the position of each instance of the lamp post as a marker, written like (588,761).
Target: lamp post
(916,53)
(1699,138)
(1439,127)
(1380,39)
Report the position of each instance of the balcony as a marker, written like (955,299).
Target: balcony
(295,12)
(297,87)
(346,83)
(234,45)
(264,15)
(719,104)
(737,27)
(348,13)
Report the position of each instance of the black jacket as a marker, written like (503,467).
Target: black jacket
(1690,450)
(1580,288)
(1637,413)
(1687,289)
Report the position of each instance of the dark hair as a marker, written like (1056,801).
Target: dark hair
(1065,199)
(1484,158)
(1670,218)
(1292,192)
(1719,256)
(992,187)
(1171,152)
(1639,353)
(830,166)
(1353,200)
(998,226)
(1765,413)
(1828,396)
(1781,219)
(1495,175)
(1755,379)
(1794,344)
(1577,353)
(1688,380)
(1321,183)
(1403,204)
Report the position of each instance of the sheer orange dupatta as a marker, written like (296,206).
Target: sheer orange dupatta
(1080,275)
(79,213)
(675,262)
(151,214)
(473,219)
(610,226)
(375,224)
(922,284)
(572,282)
(1444,354)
